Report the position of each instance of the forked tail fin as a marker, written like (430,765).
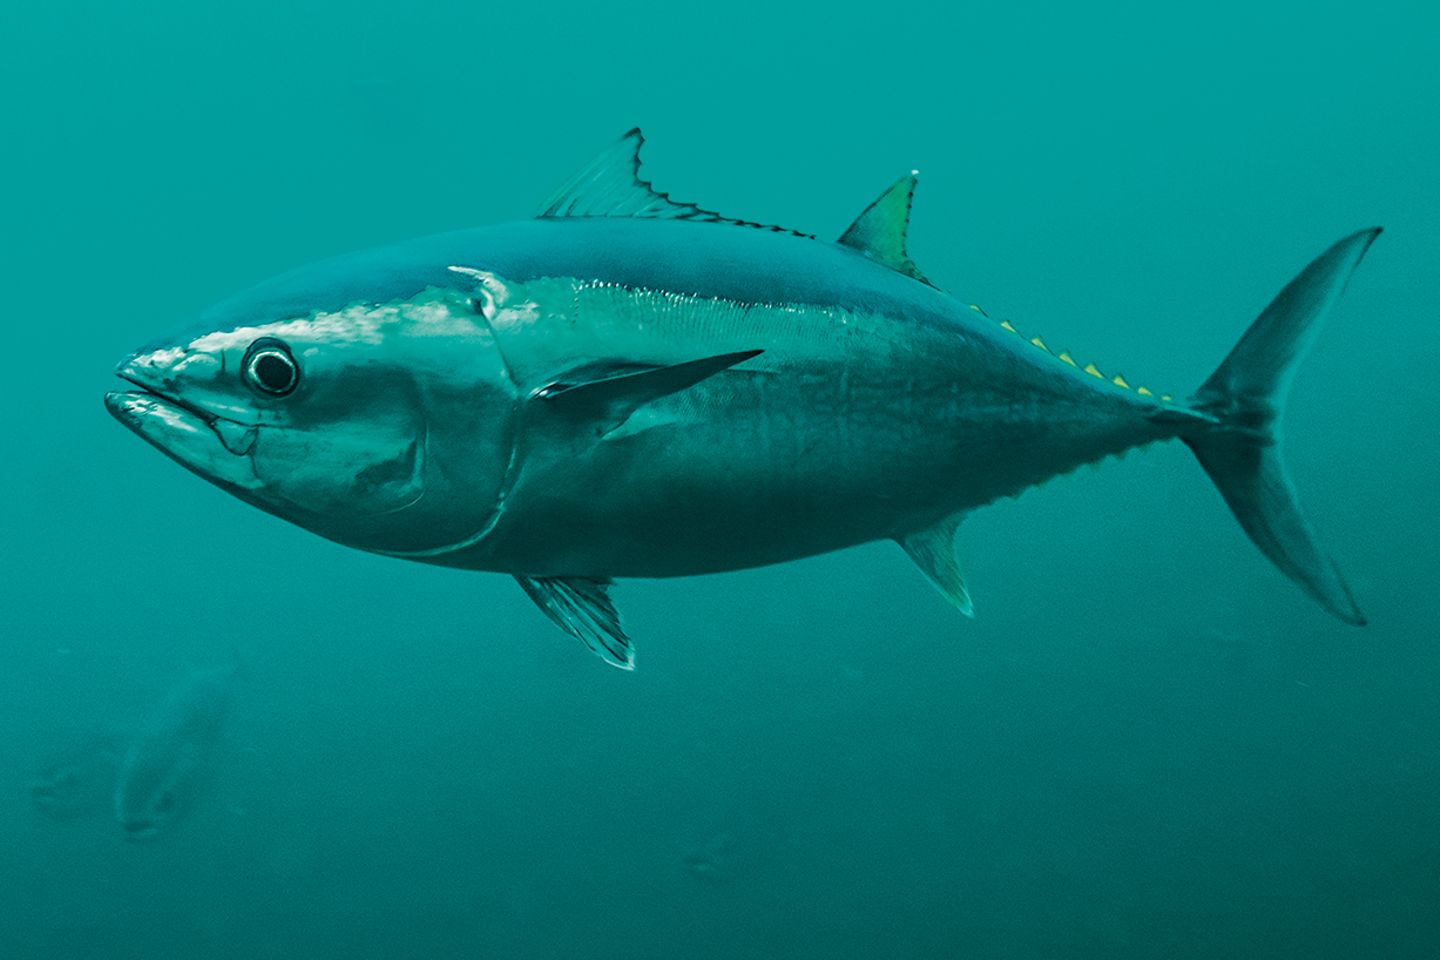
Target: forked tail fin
(1247,396)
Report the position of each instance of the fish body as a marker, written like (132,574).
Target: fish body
(166,763)
(628,386)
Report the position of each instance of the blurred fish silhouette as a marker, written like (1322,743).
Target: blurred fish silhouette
(714,858)
(81,783)
(167,764)
(631,386)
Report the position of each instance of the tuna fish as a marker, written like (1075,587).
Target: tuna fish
(632,386)
(173,754)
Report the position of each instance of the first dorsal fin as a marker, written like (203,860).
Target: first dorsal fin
(879,231)
(611,186)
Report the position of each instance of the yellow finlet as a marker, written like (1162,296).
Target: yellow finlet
(1090,368)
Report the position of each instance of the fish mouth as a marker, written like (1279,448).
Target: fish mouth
(139,831)
(127,405)
(203,442)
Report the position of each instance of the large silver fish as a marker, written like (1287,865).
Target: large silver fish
(628,386)
(173,754)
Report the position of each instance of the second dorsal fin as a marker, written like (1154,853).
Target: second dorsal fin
(879,231)
(611,186)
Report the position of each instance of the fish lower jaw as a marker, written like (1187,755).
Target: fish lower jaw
(206,444)
(237,437)
(139,833)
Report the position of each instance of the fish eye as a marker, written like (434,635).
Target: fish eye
(270,368)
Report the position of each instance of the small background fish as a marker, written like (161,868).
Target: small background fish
(79,784)
(166,766)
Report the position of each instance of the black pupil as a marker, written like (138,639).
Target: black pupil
(273,371)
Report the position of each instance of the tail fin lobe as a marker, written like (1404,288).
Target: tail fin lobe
(1246,394)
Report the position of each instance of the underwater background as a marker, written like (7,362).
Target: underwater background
(1147,743)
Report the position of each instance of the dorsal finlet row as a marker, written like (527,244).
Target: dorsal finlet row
(1064,357)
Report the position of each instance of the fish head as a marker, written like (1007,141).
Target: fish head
(144,819)
(376,418)
(156,775)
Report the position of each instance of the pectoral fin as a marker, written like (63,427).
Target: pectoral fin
(581,606)
(933,551)
(607,393)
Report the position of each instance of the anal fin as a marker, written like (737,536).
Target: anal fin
(581,606)
(933,550)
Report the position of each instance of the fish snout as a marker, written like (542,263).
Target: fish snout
(153,370)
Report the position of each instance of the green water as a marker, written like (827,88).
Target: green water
(1147,744)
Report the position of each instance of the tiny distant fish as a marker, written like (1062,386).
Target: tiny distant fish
(167,764)
(714,859)
(81,783)
(732,836)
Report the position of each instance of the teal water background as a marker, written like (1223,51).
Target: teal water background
(1147,744)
